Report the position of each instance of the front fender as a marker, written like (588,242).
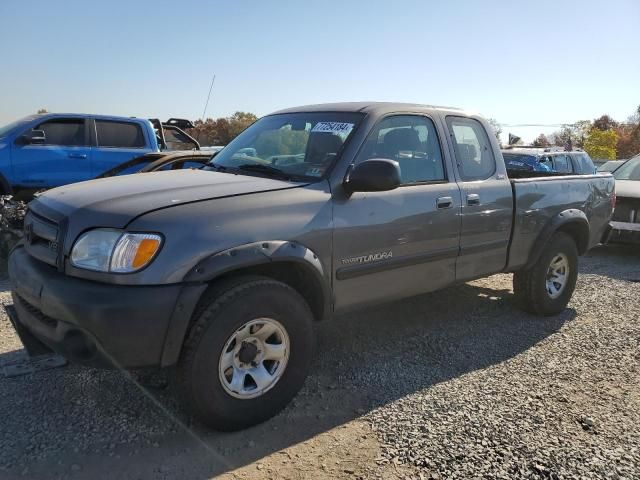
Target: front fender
(251,254)
(272,252)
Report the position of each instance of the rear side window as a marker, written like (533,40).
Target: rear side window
(585,165)
(65,132)
(563,164)
(119,134)
(517,161)
(410,140)
(474,155)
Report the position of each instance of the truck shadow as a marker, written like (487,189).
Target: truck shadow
(364,360)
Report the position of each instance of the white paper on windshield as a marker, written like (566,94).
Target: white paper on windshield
(333,127)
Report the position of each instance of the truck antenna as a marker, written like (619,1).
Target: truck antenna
(208,97)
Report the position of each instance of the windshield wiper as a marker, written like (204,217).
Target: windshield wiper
(266,169)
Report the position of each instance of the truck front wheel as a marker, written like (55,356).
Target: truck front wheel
(247,354)
(546,287)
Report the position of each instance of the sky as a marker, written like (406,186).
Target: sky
(520,62)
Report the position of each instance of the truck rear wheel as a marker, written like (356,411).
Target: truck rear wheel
(546,288)
(247,354)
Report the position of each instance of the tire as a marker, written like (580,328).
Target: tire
(530,287)
(224,324)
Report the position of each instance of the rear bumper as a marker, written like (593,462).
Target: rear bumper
(623,232)
(99,324)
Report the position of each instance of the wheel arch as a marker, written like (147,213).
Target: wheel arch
(573,222)
(289,262)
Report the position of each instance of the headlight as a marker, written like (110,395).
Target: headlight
(109,250)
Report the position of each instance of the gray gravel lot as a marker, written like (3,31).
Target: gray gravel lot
(454,384)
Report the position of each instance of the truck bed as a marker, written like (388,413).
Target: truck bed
(538,199)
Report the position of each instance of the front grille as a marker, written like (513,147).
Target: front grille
(627,210)
(42,238)
(36,313)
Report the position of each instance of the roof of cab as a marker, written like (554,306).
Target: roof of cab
(87,115)
(366,107)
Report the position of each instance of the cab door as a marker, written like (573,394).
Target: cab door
(405,241)
(487,199)
(117,142)
(64,157)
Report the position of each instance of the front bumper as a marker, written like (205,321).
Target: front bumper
(99,324)
(623,232)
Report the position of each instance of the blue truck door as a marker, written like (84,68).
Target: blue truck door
(116,143)
(487,200)
(405,241)
(65,156)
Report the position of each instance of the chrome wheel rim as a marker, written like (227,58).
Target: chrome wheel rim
(254,358)
(557,275)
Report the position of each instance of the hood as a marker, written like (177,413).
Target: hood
(114,202)
(628,188)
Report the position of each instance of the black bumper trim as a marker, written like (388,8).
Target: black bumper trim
(623,232)
(100,324)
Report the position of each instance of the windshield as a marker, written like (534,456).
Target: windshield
(296,146)
(6,129)
(629,171)
(609,166)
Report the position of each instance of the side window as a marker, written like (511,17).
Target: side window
(546,161)
(585,163)
(119,134)
(410,140)
(474,154)
(64,132)
(563,164)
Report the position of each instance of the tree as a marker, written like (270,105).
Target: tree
(629,136)
(601,144)
(497,129)
(221,130)
(238,122)
(573,134)
(541,141)
(605,122)
(42,110)
(628,141)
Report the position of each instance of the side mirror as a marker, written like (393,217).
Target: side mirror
(33,137)
(374,175)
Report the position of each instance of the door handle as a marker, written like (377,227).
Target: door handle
(473,199)
(444,202)
(77,155)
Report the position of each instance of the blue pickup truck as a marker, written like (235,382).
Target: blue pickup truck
(53,149)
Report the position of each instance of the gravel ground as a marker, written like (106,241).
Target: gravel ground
(454,384)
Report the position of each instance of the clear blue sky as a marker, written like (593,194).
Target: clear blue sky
(548,61)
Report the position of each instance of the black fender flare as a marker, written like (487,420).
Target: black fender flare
(261,253)
(574,218)
(227,261)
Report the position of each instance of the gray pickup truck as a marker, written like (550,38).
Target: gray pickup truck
(221,272)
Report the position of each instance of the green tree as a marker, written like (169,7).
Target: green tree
(42,110)
(601,144)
